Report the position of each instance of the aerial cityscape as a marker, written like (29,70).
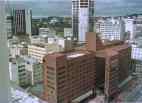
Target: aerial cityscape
(70,51)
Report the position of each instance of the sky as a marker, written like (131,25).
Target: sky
(63,7)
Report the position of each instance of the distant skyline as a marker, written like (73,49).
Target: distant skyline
(63,7)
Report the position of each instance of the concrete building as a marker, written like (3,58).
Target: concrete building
(134,27)
(111,29)
(9,26)
(13,71)
(68,32)
(38,51)
(22,96)
(138,27)
(22,20)
(115,68)
(18,50)
(113,61)
(136,53)
(137,57)
(25,71)
(70,76)
(18,72)
(46,31)
(82,18)
(129,27)
(35,39)
(35,71)
(4,73)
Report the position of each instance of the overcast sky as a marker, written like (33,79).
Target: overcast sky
(103,7)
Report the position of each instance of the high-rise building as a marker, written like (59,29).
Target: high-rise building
(82,18)
(4,73)
(22,20)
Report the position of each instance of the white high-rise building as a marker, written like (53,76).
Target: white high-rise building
(111,29)
(4,73)
(82,18)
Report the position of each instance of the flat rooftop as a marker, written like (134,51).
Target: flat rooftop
(21,96)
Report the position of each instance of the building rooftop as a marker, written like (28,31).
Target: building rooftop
(75,55)
(21,96)
(106,53)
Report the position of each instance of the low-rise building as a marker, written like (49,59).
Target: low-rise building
(68,32)
(46,31)
(35,39)
(38,51)
(17,50)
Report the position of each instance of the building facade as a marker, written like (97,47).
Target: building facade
(68,76)
(113,63)
(134,27)
(136,53)
(68,32)
(111,29)
(39,51)
(129,27)
(17,50)
(34,70)
(18,72)
(46,31)
(22,20)
(9,26)
(138,27)
(82,18)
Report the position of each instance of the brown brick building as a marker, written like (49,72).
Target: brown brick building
(68,75)
(113,61)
